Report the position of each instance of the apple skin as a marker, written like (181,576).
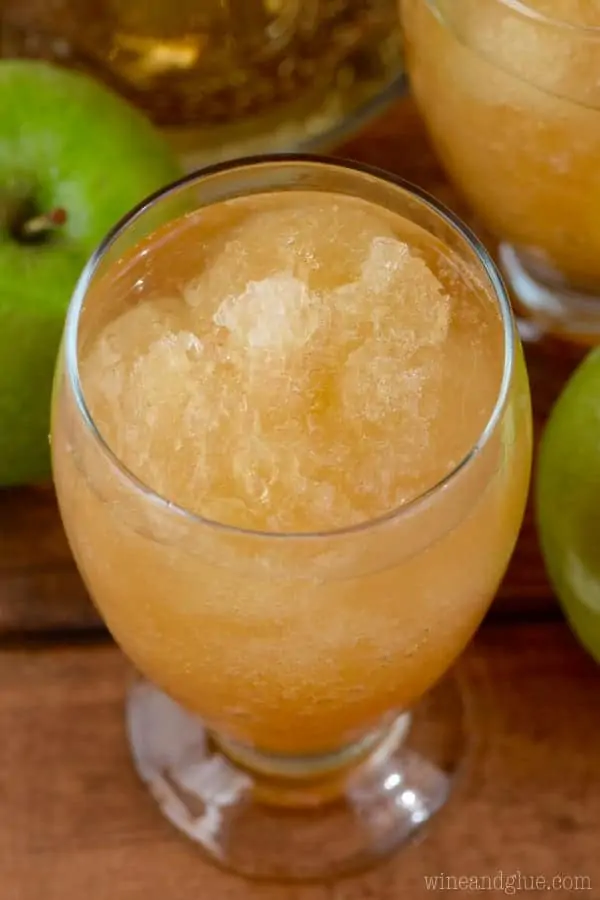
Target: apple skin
(66,142)
(567,500)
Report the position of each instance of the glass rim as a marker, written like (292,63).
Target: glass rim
(523,8)
(71,334)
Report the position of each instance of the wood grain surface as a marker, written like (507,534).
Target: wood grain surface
(39,587)
(77,825)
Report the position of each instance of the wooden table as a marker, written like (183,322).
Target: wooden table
(76,825)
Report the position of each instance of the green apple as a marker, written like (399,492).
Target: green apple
(567,499)
(74,158)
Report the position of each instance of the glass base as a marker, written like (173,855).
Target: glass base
(317,124)
(545,306)
(292,819)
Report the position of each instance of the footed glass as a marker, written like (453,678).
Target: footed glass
(289,716)
(510,92)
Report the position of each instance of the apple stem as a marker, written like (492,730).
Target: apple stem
(43,224)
